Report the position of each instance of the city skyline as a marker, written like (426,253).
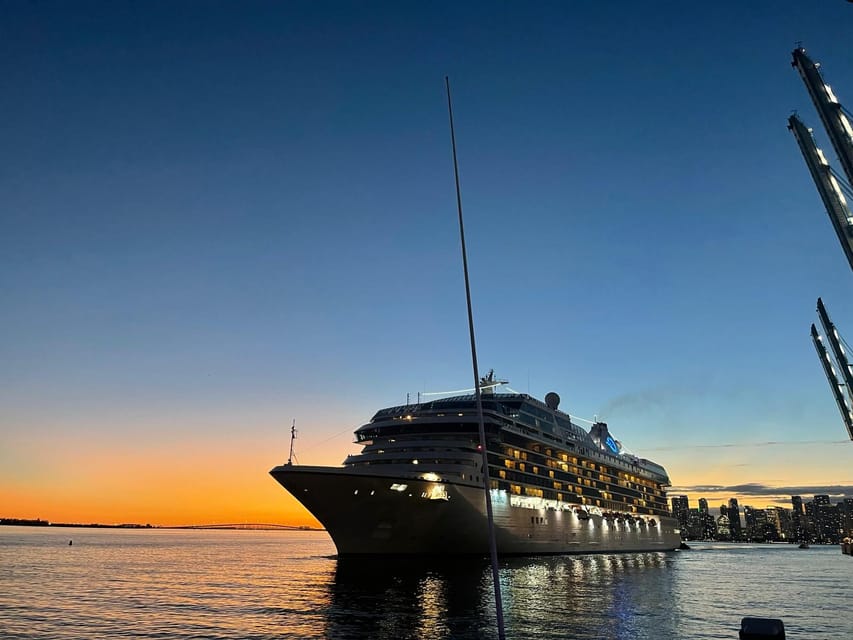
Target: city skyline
(220,220)
(818,520)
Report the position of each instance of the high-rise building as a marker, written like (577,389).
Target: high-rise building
(757,525)
(723,528)
(681,512)
(708,524)
(847,516)
(734,519)
(798,519)
(777,519)
(750,532)
(827,520)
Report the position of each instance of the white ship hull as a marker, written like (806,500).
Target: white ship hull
(364,515)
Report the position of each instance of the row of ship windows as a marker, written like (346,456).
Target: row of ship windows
(534,492)
(605,495)
(408,460)
(599,489)
(601,477)
(562,460)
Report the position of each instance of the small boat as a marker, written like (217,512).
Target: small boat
(803,545)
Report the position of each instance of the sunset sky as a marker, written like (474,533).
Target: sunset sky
(218,217)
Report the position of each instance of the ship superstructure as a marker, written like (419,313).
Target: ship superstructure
(417,484)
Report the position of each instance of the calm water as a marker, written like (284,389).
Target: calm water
(262,584)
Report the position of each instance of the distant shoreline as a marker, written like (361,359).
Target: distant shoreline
(21,522)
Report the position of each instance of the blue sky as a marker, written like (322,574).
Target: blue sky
(218,217)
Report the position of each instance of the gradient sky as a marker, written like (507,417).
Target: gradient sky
(218,217)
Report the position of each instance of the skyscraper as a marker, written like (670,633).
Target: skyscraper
(708,524)
(681,512)
(847,516)
(734,519)
(798,524)
(826,520)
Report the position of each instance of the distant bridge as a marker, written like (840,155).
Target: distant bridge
(256,526)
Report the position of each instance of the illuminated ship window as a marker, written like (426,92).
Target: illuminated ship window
(399,487)
(436,492)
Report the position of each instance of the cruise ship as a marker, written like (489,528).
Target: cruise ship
(416,487)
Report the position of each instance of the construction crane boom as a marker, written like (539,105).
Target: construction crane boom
(834,384)
(831,113)
(841,360)
(827,186)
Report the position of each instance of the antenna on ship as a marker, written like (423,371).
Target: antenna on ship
(292,439)
(493,549)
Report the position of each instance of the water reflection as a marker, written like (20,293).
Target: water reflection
(597,596)
(409,598)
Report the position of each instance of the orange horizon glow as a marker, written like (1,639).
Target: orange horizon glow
(178,482)
(160,485)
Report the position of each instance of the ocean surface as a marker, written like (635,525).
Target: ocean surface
(160,583)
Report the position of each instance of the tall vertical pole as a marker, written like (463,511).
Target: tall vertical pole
(292,438)
(493,549)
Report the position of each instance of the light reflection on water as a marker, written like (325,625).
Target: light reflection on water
(264,585)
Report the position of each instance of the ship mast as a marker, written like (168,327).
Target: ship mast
(292,439)
(493,549)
